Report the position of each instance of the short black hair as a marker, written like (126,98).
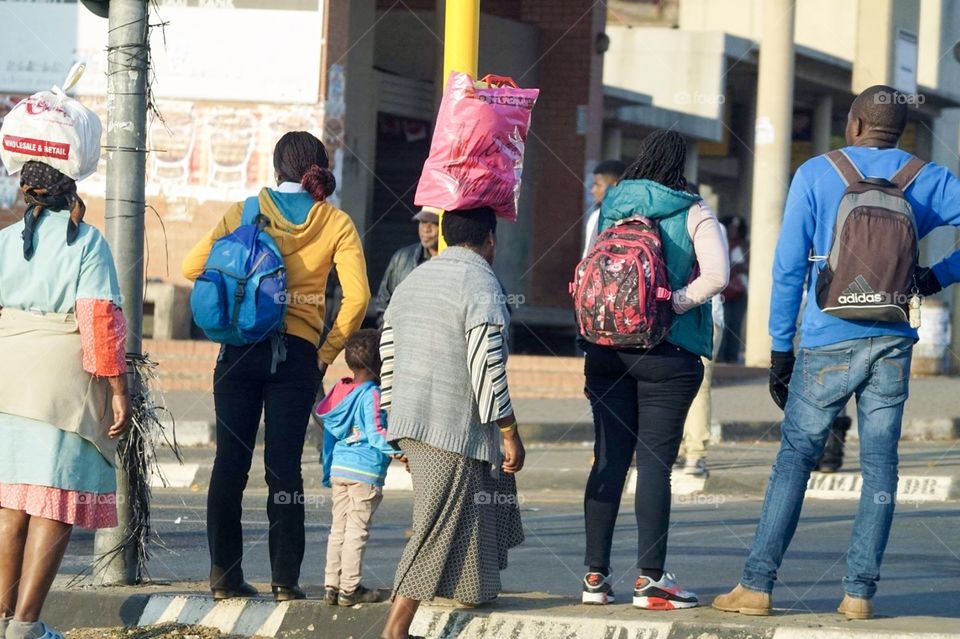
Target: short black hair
(362,351)
(883,111)
(468,227)
(613,168)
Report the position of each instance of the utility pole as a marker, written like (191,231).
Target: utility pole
(127,70)
(771,168)
(461,47)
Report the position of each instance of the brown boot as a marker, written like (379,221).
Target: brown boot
(856,608)
(745,601)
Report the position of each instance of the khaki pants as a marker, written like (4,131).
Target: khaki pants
(353,506)
(696,430)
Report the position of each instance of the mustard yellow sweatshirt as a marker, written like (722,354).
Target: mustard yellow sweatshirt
(325,238)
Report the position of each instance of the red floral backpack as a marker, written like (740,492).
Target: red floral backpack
(621,292)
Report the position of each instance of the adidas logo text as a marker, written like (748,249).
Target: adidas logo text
(862,298)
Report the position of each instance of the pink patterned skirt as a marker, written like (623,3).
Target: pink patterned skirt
(86,510)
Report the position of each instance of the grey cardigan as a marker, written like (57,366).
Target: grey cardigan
(430,395)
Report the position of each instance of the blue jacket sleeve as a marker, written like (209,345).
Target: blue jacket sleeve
(375,423)
(791,261)
(329,441)
(939,189)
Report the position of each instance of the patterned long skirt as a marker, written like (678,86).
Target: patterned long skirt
(464,522)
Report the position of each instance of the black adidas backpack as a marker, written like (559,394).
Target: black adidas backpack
(869,273)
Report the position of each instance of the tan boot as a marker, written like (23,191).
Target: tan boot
(745,601)
(856,608)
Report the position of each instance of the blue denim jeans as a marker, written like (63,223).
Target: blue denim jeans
(877,371)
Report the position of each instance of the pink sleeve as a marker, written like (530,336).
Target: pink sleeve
(103,334)
(713,256)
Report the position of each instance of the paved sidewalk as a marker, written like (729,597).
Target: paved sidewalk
(520,616)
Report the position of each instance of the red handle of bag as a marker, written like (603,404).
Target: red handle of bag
(499,80)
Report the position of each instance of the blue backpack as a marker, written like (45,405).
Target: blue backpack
(241,296)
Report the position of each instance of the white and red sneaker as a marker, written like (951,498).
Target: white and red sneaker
(597,590)
(665,594)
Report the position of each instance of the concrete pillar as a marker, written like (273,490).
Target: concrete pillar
(612,143)
(822,124)
(352,132)
(692,168)
(771,167)
(942,242)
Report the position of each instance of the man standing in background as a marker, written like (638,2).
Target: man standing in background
(409,257)
(605,175)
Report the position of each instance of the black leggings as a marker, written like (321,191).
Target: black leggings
(243,388)
(640,401)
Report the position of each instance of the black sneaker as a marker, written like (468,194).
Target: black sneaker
(597,590)
(362,594)
(331,595)
(665,594)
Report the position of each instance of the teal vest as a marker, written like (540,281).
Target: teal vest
(694,329)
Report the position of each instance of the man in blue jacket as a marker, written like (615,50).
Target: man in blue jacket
(839,358)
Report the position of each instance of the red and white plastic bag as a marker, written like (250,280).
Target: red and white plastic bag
(52,128)
(476,156)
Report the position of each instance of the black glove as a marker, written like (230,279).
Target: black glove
(927,281)
(781,370)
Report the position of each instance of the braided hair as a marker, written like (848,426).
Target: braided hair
(301,157)
(662,157)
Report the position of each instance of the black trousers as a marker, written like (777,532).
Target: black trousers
(243,389)
(640,401)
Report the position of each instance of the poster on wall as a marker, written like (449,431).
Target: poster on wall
(254,51)
(38,41)
(244,50)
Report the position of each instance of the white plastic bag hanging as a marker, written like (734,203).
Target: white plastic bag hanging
(53,128)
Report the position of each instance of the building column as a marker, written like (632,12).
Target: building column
(822,124)
(771,167)
(692,167)
(612,143)
(351,124)
(942,242)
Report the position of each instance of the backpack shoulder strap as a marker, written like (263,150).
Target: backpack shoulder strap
(844,166)
(251,210)
(908,173)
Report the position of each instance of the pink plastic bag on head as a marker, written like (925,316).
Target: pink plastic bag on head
(476,156)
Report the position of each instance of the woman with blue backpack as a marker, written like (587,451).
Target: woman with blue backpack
(261,277)
(643,305)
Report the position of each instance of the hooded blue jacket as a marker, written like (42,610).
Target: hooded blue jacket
(354,434)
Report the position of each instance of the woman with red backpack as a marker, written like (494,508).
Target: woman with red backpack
(640,395)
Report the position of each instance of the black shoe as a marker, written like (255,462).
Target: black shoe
(331,595)
(288,593)
(361,594)
(243,590)
(832,459)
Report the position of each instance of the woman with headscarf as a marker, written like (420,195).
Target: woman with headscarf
(62,337)
(640,398)
(313,236)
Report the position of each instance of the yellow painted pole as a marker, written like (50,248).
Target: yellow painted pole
(461,44)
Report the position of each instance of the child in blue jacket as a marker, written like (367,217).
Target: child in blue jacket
(355,460)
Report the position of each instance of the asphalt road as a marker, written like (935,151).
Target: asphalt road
(708,544)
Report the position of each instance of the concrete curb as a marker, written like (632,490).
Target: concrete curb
(525,616)
(203,433)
